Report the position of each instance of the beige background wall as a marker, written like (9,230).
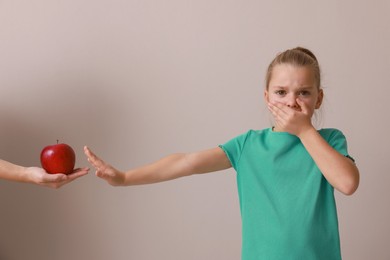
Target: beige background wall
(137,80)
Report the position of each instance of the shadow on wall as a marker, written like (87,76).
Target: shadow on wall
(71,111)
(77,112)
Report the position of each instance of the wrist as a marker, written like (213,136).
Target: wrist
(306,132)
(17,173)
(126,178)
(29,176)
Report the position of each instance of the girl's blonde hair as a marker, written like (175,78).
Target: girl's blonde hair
(298,56)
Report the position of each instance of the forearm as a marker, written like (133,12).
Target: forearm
(179,165)
(168,168)
(13,172)
(339,170)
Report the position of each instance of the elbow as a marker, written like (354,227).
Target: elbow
(349,190)
(351,185)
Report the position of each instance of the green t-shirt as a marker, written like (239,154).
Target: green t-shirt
(288,208)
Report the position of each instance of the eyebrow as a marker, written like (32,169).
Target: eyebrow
(300,88)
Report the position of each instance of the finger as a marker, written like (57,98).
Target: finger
(272,108)
(303,106)
(100,174)
(80,170)
(280,108)
(92,158)
(78,173)
(277,110)
(273,111)
(103,175)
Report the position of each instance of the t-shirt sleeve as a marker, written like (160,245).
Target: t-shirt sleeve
(233,149)
(338,141)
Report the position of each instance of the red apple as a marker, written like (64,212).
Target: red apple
(58,158)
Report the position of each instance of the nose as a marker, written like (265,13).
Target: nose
(292,102)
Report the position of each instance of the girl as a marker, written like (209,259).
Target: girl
(286,174)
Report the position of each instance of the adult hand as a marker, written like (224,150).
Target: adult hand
(41,177)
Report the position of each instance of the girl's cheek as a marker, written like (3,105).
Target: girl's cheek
(310,105)
(276,99)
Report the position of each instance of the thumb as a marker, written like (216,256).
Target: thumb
(303,106)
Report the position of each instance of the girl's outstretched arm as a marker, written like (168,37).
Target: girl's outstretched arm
(167,168)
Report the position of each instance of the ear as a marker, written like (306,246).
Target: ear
(319,99)
(266,96)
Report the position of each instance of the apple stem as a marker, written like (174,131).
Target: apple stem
(57,141)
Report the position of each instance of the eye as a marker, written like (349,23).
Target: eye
(304,93)
(280,92)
